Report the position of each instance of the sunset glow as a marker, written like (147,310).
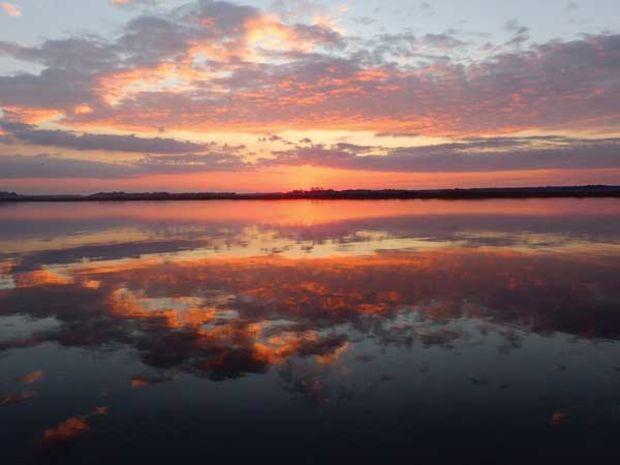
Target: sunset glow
(256,96)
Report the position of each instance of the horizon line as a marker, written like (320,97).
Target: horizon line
(590,190)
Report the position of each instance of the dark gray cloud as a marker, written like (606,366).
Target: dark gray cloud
(28,134)
(47,166)
(389,46)
(54,88)
(50,167)
(85,54)
(473,155)
(148,39)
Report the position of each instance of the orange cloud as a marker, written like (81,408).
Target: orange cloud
(31,115)
(11,9)
(42,277)
(82,109)
(169,77)
(258,32)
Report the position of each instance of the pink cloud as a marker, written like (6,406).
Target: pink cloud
(11,9)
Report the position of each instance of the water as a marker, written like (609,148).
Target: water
(309,332)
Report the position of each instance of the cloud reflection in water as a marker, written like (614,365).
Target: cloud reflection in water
(224,298)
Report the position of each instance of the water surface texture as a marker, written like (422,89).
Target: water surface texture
(309,332)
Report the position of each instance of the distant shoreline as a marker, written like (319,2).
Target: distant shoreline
(328,194)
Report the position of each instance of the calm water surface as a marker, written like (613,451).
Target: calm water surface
(309,332)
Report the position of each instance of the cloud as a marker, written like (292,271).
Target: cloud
(473,155)
(133,3)
(520,33)
(213,161)
(86,54)
(233,67)
(28,134)
(570,85)
(11,9)
(48,166)
(296,9)
(55,90)
(364,20)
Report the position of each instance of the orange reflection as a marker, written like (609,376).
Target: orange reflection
(9,399)
(328,359)
(224,316)
(558,418)
(71,428)
(139,382)
(305,212)
(66,431)
(32,377)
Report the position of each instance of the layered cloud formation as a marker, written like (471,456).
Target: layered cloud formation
(470,155)
(208,68)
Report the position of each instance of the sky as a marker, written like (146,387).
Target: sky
(275,95)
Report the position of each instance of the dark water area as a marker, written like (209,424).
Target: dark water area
(310,331)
